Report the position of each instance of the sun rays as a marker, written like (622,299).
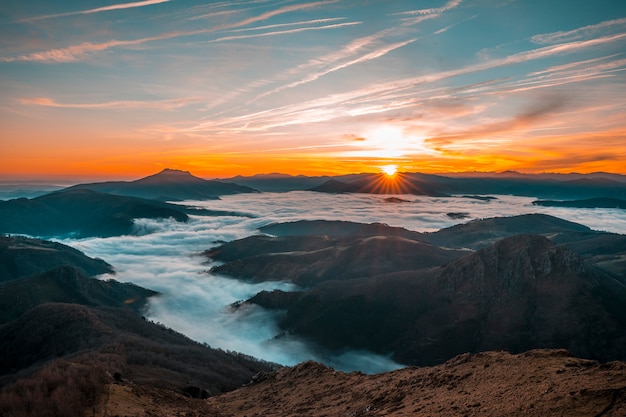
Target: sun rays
(389,170)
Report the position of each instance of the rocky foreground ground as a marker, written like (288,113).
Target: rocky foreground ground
(535,383)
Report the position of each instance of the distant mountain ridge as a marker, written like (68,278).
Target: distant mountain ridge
(382,184)
(545,186)
(169,184)
(588,203)
(81,213)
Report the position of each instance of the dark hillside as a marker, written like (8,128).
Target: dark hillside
(481,233)
(64,336)
(602,249)
(21,256)
(337,228)
(81,213)
(315,259)
(65,284)
(521,293)
(126,344)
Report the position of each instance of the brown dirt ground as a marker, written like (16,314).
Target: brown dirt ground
(535,383)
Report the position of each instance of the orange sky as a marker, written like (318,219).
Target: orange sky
(107,89)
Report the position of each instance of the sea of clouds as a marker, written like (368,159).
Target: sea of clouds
(166,256)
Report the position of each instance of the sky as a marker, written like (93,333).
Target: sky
(113,89)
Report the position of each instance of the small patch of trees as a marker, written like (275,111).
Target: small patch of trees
(61,389)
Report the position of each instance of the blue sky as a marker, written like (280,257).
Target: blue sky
(102,88)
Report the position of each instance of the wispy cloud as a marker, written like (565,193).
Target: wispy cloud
(450,5)
(214,14)
(518,58)
(562,48)
(272,13)
(578,33)
(168,104)
(540,110)
(284,32)
(325,61)
(364,58)
(120,6)
(568,66)
(411,92)
(346,56)
(279,25)
(447,28)
(355,46)
(420,15)
(78,52)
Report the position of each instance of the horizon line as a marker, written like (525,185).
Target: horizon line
(68,179)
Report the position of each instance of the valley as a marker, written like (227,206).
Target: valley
(269,282)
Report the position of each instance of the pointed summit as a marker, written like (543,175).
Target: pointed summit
(170,176)
(170,184)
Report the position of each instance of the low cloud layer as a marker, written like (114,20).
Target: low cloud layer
(165,256)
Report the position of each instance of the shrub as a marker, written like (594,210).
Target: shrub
(61,389)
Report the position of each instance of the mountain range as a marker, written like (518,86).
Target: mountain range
(175,185)
(382,184)
(168,185)
(482,286)
(449,303)
(544,186)
(75,344)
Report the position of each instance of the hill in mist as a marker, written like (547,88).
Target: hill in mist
(168,185)
(66,284)
(588,203)
(602,249)
(424,304)
(81,213)
(21,256)
(319,258)
(65,335)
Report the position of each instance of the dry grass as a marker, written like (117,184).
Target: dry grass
(63,389)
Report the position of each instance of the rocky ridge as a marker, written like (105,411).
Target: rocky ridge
(535,383)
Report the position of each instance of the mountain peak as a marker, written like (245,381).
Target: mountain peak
(515,266)
(169,175)
(171,171)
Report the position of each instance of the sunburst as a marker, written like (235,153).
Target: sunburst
(389,170)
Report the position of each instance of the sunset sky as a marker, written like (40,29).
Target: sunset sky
(112,89)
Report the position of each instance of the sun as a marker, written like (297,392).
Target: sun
(389,170)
